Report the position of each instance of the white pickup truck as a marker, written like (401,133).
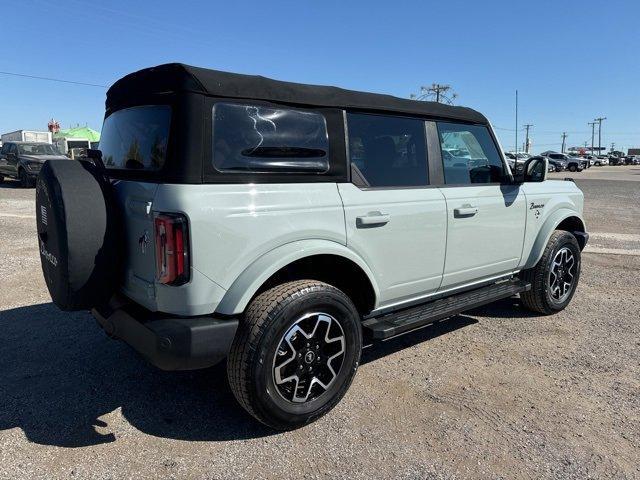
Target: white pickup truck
(282,225)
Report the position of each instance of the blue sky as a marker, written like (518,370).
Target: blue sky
(570,60)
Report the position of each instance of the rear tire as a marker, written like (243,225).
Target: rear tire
(572,168)
(295,354)
(555,277)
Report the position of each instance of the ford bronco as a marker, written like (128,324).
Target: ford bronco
(281,225)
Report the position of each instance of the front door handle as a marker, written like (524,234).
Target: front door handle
(465,211)
(372,219)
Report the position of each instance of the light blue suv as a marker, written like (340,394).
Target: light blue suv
(282,225)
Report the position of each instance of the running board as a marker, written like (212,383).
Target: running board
(395,323)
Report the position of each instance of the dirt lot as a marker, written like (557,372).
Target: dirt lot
(495,393)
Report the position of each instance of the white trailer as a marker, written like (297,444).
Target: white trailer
(27,136)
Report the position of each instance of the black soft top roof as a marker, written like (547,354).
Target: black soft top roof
(177,77)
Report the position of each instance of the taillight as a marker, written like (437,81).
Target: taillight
(172,249)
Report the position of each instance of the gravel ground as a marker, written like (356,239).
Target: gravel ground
(494,393)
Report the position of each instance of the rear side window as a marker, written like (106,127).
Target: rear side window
(469,154)
(136,138)
(388,151)
(254,138)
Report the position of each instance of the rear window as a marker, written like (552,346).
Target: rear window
(136,138)
(254,138)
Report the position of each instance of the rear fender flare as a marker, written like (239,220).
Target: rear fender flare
(253,277)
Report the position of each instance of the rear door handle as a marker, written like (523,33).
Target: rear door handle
(465,211)
(372,219)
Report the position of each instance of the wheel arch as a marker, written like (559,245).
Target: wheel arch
(322,260)
(562,219)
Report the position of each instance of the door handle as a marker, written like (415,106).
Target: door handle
(372,219)
(465,211)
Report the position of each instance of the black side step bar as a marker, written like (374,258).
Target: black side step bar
(395,323)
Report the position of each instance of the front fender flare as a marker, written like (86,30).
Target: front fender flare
(253,277)
(549,226)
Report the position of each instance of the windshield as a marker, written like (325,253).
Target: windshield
(37,149)
(136,138)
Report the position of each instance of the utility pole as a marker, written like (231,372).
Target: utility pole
(613,146)
(564,137)
(599,120)
(526,142)
(593,130)
(437,92)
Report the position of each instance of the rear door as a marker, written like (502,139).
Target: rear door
(394,220)
(486,214)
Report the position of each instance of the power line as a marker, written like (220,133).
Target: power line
(50,79)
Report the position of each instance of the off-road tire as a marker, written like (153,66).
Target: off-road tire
(268,317)
(539,298)
(24,179)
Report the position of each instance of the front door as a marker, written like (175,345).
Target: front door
(394,221)
(486,215)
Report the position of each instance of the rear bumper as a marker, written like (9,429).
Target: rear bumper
(169,342)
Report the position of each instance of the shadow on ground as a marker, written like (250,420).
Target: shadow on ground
(59,374)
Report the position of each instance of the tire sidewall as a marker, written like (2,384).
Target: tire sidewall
(569,241)
(269,402)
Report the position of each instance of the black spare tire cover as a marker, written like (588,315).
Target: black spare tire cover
(78,234)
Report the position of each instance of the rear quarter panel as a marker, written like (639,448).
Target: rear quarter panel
(231,226)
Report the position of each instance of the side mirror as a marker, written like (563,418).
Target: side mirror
(96,157)
(92,153)
(533,170)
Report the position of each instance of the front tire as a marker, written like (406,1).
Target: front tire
(295,354)
(555,277)
(24,179)
(572,168)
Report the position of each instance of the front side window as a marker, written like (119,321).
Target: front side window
(254,138)
(136,138)
(469,154)
(388,151)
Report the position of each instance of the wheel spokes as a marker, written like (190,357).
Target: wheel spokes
(562,274)
(309,357)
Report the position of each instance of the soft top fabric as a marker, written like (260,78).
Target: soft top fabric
(177,77)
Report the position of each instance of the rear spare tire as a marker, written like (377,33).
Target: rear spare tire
(78,234)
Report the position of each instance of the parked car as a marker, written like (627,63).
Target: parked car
(23,160)
(558,164)
(601,160)
(572,164)
(583,161)
(271,223)
(614,160)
